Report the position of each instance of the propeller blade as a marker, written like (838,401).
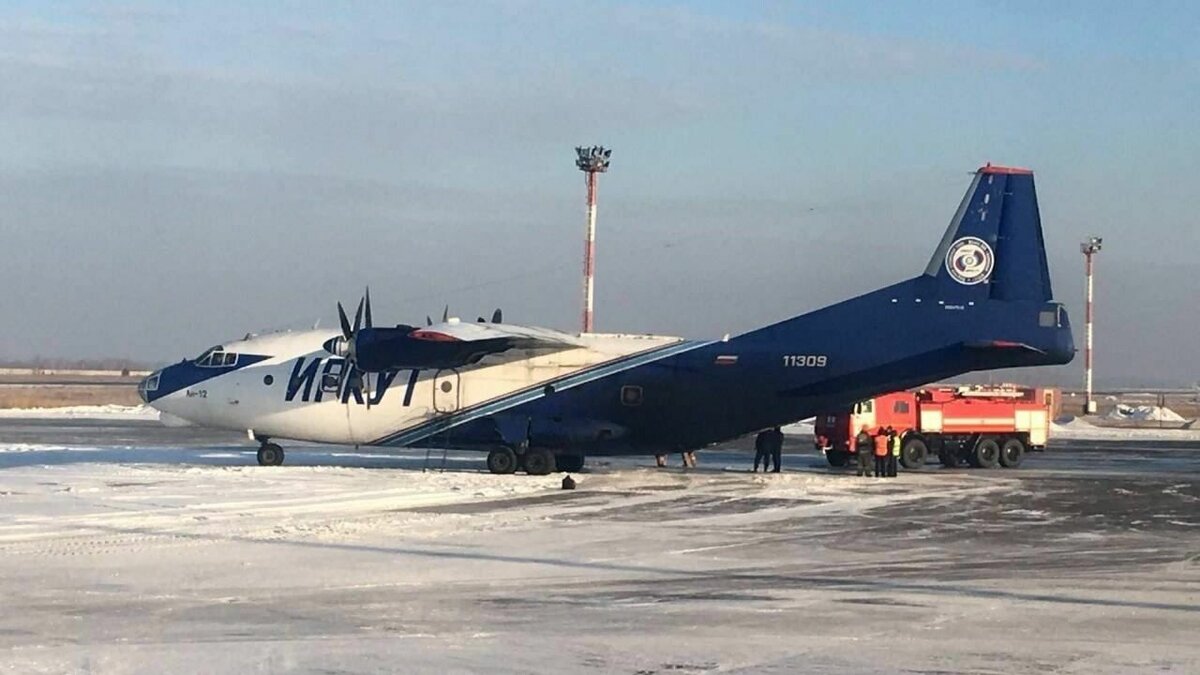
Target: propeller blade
(497,316)
(446,314)
(481,320)
(428,321)
(358,317)
(344,321)
(368,299)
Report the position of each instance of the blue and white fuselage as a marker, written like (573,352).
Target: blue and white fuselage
(530,396)
(287,385)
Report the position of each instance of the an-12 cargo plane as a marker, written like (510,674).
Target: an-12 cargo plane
(541,400)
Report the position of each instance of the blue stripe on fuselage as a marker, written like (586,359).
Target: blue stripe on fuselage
(186,374)
(436,426)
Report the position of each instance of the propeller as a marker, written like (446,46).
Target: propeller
(350,334)
(497,317)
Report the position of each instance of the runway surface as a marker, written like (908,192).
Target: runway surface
(126,546)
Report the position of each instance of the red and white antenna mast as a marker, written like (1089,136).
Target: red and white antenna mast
(1089,249)
(591,161)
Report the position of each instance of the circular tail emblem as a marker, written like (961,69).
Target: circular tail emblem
(969,260)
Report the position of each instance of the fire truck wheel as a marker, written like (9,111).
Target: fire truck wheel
(1011,453)
(986,454)
(913,453)
(837,458)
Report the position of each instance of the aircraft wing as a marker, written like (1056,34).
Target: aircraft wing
(450,344)
(516,336)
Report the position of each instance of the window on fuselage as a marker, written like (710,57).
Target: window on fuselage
(216,358)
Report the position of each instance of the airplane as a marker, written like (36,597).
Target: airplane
(541,400)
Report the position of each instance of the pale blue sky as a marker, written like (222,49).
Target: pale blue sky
(174,175)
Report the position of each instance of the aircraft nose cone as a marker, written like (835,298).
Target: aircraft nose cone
(148,386)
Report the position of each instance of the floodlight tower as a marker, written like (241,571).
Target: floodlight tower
(1090,247)
(591,161)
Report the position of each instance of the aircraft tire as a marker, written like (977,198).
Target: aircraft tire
(986,454)
(502,461)
(270,454)
(1012,453)
(568,463)
(539,462)
(837,458)
(913,453)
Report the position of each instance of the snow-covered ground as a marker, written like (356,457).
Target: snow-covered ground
(1080,429)
(130,559)
(91,412)
(1143,413)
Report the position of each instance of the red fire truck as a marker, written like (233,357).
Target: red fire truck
(983,426)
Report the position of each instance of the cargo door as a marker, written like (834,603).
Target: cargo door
(445,391)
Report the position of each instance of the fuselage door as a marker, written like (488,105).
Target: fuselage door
(445,391)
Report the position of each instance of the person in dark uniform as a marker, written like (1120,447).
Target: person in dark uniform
(776,449)
(865,450)
(762,450)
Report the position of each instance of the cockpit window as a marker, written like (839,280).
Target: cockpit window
(216,357)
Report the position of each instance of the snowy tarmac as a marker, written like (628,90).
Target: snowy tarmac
(126,546)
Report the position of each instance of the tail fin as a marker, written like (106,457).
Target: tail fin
(994,248)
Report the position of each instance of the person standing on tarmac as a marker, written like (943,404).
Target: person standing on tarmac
(881,453)
(894,455)
(762,451)
(776,449)
(863,448)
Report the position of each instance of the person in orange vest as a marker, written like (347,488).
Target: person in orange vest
(881,453)
(862,448)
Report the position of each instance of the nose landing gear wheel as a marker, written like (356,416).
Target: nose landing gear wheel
(502,460)
(270,455)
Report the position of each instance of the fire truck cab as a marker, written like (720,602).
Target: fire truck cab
(983,427)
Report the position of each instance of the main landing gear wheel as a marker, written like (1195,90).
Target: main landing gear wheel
(502,460)
(539,462)
(913,454)
(1011,453)
(986,454)
(270,455)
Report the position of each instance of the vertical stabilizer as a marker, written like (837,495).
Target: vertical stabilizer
(993,248)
